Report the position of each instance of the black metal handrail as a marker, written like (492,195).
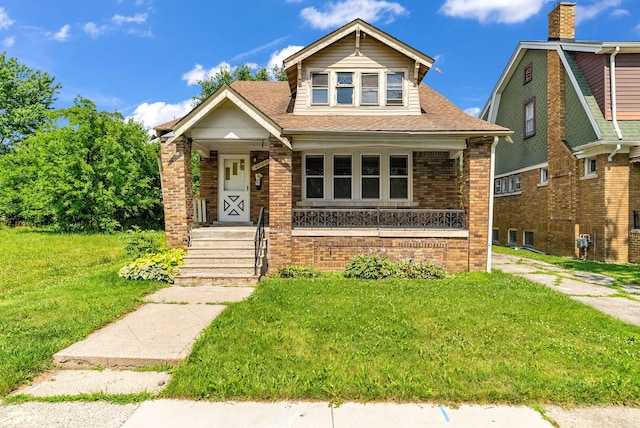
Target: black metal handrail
(258,240)
(636,219)
(379,218)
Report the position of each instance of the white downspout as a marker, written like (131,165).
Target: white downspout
(492,177)
(614,101)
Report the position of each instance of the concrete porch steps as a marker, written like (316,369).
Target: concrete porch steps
(221,256)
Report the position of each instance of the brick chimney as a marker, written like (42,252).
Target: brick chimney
(562,21)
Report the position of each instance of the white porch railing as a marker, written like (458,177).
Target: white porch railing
(199,210)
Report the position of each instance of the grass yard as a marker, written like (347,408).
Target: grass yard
(54,290)
(622,273)
(468,338)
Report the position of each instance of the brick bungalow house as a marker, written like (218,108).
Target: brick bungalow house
(574,166)
(353,154)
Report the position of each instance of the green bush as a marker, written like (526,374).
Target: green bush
(158,267)
(375,267)
(369,267)
(140,242)
(298,272)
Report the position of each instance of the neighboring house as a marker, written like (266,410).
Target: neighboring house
(573,168)
(353,154)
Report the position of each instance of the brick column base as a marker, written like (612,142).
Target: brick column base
(280,205)
(176,191)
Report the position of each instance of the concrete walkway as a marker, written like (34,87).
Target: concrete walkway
(164,330)
(592,289)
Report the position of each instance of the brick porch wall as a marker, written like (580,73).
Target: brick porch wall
(435,180)
(280,205)
(332,253)
(176,191)
(477,166)
(634,246)
(259,198)
(209,185)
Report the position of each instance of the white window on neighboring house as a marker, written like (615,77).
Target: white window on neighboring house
(369,89)
(512,237)
(529,118)
(544,175)
(370,171)
(394,88)
(320,88)
(344,89)
(590,166)
(505,184)
(516,186)
(398,177)
(498,186)
(527,238)
(342,173)
(314,176)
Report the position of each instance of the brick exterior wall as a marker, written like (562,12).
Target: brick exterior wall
(332,253)
(280,205)
(477,169)
(296,189)
(176,191)
(634,246)
(259,198)
(209,185)
(435,181)
(562,21)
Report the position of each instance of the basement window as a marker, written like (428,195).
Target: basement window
(527,238)
(512,237)
(495,238)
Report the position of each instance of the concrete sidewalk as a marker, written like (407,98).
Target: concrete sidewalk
(589,288)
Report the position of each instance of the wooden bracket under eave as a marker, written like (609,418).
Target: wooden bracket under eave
(357,52)
(416,73)
(299,73)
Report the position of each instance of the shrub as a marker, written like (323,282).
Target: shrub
(375,267)
(140,242)
(298,272)
(157,267)
(369,267)
(421,270)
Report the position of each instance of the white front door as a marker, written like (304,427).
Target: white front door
(233,197)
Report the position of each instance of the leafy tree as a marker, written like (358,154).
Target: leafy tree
(94,171)
(241,72)
(26,96)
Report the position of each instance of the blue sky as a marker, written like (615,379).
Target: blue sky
(143,57)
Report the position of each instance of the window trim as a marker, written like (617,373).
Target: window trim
(402,87)
(334,176)
(530,101)
(339,85)
(362,87)
(363,176)
(544,175)
(328,87)
(588,172)
(526,78)
(305,176)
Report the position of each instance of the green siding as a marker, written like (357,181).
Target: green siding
(523,153)
(578,129)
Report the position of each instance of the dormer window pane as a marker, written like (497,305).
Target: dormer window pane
(394,88)
(320,88)
(344,88)
(369,89)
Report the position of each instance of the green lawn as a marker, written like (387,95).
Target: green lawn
(622,273)
(54,290)
(468,338)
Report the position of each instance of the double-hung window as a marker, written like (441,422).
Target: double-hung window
(344,89)
(342,173)
(320,88)
(529,117)
(314,172)
(370,176)
(590,166)
(394,88)
(398,177)
(369,89)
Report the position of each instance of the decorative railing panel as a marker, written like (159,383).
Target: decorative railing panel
(379,218)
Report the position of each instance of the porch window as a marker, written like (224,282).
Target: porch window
(342,173)
(320,88)
(370,177)
(398,177)
(369,90)
(314,172)
(344,88)
(394,88)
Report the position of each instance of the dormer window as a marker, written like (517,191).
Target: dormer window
(320,88)
(369,91)
(394,88)
(344,88)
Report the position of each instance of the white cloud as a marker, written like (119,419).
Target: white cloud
(342,12)
(5,20)
(9,42)
(585,13)
(620,12)
(293,1)
(138,18)
(199,73)
(62,35)
(502,11)
(278,56)
(93,30)
(473,111)
(155,114)
(259,49)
